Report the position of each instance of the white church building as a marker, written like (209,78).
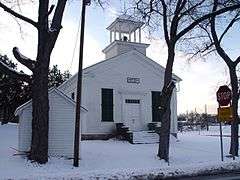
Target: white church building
(123,88)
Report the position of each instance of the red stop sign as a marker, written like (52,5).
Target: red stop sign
(224,95)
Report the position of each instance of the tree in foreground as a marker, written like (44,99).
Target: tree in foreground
(173,17)
(47,35)
(14,92)
(232,65)
(217,29)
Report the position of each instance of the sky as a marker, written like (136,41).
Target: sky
(201,78)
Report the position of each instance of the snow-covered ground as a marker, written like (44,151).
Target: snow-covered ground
(193,152)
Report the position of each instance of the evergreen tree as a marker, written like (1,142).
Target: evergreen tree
(56,77)
(14,93)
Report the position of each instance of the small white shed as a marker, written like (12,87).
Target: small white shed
(61,124)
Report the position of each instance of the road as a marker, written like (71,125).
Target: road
(226,176)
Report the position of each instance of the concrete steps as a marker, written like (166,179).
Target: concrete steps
(145,137)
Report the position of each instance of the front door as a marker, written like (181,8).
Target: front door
(132,114)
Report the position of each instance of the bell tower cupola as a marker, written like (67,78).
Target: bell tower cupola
(125,35)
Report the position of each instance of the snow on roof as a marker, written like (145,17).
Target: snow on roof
(59,92)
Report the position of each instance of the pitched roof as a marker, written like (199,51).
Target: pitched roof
(146,59)
(59,92)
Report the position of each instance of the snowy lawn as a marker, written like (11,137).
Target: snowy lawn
(116,159)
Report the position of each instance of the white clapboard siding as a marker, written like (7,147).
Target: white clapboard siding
(113,73)
(61,124)
(25,129)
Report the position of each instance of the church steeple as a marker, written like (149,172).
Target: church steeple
(125,28)
(125,35)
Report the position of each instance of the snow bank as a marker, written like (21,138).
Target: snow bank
(193,154)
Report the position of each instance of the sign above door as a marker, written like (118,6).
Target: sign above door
(133,80)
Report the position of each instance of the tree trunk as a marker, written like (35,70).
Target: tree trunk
(40,102)
(4,121)
(40,112)
(47,37)
(234,124)
(165,104)
(163,150)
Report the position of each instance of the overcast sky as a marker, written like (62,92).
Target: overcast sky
(200,78)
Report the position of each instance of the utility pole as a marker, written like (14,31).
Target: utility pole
(79,86)
(206,116)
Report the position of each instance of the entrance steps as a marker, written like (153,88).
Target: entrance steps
(138,137)
(145,137)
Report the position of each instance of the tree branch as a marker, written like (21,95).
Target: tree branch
(143,10)
(30,64)
(51,9)
(17,15)
(58,15)
(237,61)
(49,12)
(191,8)
(178,7)
(229,26)
(204,51)
(216,41)
(43,16)
(174,25)
(14,74)
(207,16)
(165,29)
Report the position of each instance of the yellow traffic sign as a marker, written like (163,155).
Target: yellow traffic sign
(225,114)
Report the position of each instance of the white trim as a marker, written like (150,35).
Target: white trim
(124,43)
(140,36)
(110,36)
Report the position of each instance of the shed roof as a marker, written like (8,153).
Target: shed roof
(59,92)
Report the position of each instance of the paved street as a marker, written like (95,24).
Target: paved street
(227,176)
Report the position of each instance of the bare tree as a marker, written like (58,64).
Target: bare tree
(216,30)
(48,31)
(216,37)
(47,36)
(232,64)
(173,17)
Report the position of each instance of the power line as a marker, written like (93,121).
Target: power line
(75,45)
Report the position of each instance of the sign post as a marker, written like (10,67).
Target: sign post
(224,97)
(221,141)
